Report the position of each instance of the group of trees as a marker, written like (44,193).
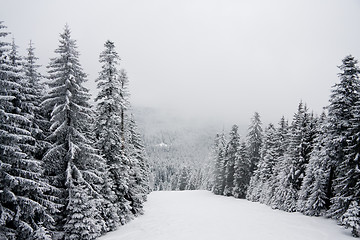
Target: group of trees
(67,170)
(236,160)
(311,165)
(179,159)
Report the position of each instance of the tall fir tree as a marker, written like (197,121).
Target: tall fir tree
(241,172)
(35,91)
(108,128)
(23,204)
(280,145)
(219,159)
(313,195)
(343,147)
(295,159)
(72,165)
(254,139)
(140,164)
(118,138)
(260,180)
(231,157)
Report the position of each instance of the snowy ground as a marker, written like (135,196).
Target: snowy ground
(200,215)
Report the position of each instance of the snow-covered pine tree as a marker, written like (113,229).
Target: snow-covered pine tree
(72,165)
(135,192)
(35,91)
(351,218)
(231,157)
(107,130)
(118,138)
(349,176)
(281,139)
(139,168)
(313,195)
(253,190)
(264,171)
(295,159)
(23,204)
(254,139)
(124,104)
(242,172)
(219,159)
(344,150)
(183,179)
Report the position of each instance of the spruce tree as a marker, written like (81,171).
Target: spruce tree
(35,92)
(110,129)
(313,193)
(264,171)
(351,218)
(301,141)
(140,164)
(72,165)
(241,172)
(281,145)
(139,168)
(231,157)
(254,139)
(219,169)
(23,204)
(343,147)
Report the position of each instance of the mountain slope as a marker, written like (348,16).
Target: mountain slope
(201,215)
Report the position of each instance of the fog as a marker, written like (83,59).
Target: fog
(205,59)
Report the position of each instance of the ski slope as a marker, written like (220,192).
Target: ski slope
(200,215)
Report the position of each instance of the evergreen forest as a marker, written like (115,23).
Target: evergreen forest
(74,169)
(68,169)
(309,165)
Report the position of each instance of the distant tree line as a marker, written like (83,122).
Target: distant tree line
(311,165)
(180,161)
(68,170)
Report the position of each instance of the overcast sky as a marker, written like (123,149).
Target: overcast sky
(218,59)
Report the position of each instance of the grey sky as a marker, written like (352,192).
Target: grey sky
(214,58)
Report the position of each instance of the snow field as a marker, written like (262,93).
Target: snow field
(200,215)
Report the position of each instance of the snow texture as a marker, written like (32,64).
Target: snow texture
(202,215)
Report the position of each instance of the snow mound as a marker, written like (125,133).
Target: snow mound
(200,215)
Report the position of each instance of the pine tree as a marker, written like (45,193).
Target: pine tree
(137,153)
(242,172)
(254,138)
(219,169)
(259,181)
(118,138)
(231,157)
(281,145)
(313,193)
(34,93)
(295,159)
(23,204)
(139,168)
(343,137)
(124,104)
(73,167)
(351,218)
